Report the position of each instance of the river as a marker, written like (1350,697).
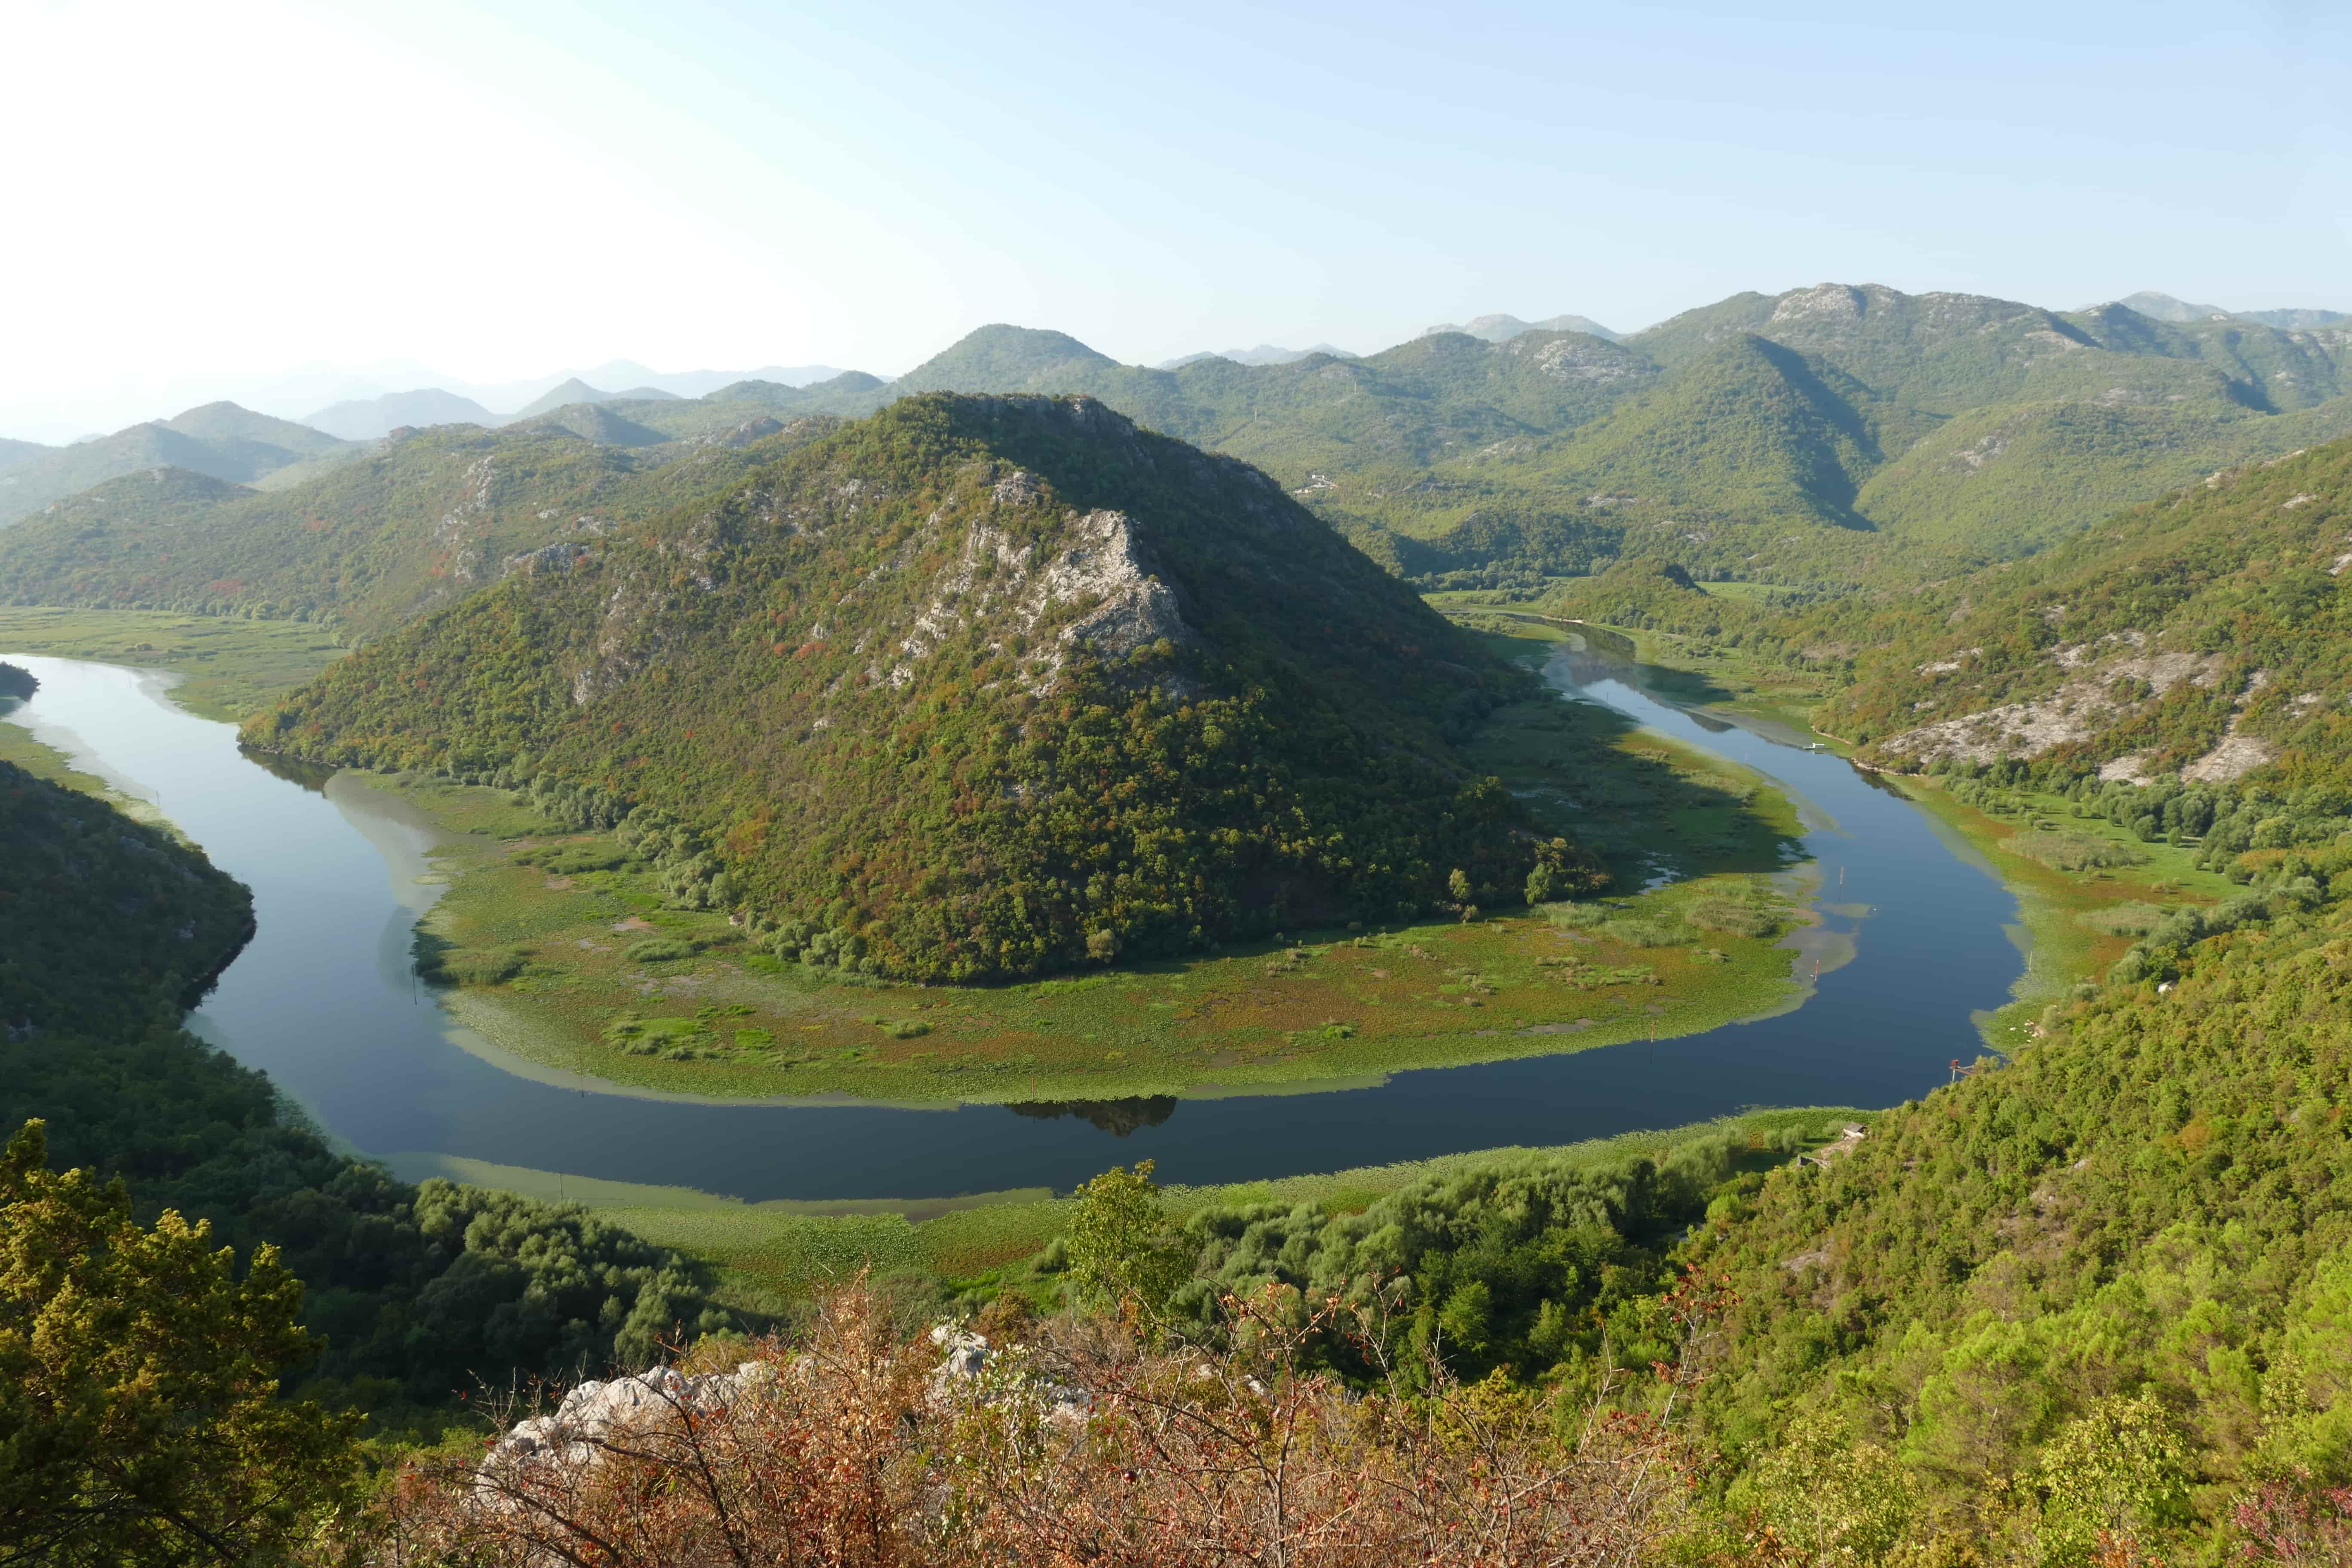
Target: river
(325,1002)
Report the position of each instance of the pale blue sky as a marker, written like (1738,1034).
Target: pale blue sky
(220,192)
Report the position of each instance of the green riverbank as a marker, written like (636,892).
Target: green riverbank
(784,1250)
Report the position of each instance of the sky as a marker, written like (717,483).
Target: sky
(283,203)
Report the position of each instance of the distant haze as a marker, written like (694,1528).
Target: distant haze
(292,205)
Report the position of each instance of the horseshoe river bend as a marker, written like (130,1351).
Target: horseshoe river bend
(325,999)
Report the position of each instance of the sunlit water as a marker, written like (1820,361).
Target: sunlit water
(324,1001)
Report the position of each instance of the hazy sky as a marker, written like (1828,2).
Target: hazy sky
(205,195)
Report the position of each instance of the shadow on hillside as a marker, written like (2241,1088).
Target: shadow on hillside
(1588,773)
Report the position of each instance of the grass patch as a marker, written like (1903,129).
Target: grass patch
(2074,852)
(2124,920)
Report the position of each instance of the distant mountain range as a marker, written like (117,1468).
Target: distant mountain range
(1809,436)
(369,419)
(1501,329)
(1265,353)
(2165,307)
(219,440)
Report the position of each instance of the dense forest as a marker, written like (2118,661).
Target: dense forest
(978,686)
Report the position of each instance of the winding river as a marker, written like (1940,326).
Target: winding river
(324,999)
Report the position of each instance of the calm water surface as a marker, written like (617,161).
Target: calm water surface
(325,1002)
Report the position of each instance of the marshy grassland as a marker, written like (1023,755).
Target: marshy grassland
(231,666)
(2077,921)
(558,947)
(1689,671)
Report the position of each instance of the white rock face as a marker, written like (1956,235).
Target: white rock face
(2076,711)
(597,1414)
(971,1369)
(596,1417)
(2234,757)
(994,578)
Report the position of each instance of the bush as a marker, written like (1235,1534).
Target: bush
(658,950)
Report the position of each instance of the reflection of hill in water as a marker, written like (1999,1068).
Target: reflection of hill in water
(1115,1117)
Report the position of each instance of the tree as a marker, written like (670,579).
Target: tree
(2115,1471)
(1831,1498)
(1122,1245)
(140,1421)
(1458,884)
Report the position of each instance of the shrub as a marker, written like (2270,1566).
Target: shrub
(658,950)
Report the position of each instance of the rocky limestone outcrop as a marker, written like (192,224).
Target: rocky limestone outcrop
(595,1416)
(2078,710)
(642,1414)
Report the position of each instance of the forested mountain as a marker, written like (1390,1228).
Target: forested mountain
(415,522)
(2201,634)
(219,439)
(979,686)
(1876,424)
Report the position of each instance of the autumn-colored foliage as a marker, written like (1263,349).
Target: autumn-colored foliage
(1096,1441)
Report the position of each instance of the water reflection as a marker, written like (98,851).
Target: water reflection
(1116,1117)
